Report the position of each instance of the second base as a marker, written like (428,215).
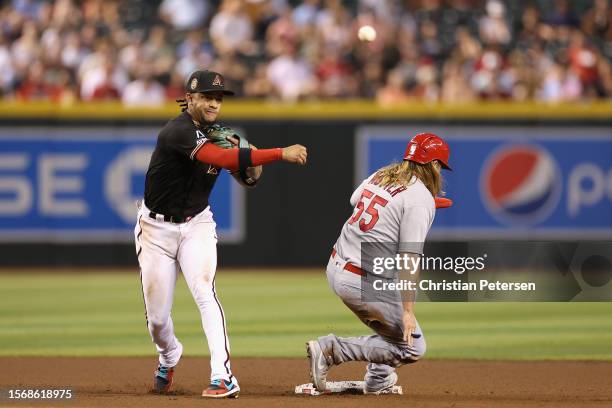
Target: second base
(340,387)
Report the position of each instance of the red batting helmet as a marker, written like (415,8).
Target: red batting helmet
(426,147)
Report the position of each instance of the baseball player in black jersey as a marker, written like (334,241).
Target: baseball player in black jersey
(175,230)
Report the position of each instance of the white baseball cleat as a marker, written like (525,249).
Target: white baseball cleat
(318,365)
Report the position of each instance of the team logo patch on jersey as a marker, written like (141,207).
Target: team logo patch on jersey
(194,83)
(217,81)
(521,184)
(212,170)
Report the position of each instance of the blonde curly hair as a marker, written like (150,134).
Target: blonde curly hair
(401,174)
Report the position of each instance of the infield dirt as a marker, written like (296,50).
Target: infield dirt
(270,382)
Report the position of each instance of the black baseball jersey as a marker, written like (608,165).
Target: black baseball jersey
(177,184)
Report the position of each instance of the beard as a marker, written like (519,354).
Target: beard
(198,116)
(209,121)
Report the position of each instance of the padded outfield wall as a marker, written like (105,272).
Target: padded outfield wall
(69,177)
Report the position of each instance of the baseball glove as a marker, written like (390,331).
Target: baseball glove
(219,134)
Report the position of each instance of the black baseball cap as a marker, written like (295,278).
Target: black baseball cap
(206,81)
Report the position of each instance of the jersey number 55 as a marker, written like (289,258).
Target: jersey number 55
(371,210)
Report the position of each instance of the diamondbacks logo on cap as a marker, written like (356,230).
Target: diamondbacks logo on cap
(217,81)
(194,83)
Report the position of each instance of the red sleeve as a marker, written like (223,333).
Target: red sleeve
(228,158)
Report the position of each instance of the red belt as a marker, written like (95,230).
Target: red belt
(349,267)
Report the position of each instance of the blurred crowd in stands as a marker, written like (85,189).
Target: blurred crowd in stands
(139,52)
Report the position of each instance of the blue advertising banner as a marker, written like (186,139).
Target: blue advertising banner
(81,185)
(511,182)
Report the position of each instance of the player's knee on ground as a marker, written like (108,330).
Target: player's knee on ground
(377,374)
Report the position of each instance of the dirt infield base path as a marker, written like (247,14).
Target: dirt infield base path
(269,382)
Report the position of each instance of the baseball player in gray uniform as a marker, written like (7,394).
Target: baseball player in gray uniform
(397,205)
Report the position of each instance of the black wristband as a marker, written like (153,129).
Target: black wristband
(244,162)
(244,159)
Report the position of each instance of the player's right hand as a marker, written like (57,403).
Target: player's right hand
(295,154)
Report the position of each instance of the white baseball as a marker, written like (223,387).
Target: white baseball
(366,33)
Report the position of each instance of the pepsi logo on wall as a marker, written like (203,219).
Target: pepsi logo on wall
(521,184)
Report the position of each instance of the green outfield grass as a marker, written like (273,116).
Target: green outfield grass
(273,314)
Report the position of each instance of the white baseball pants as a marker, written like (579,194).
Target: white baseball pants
(164,249)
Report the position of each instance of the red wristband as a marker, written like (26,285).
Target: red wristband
(265,156)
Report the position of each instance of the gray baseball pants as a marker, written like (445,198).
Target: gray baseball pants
(384,350)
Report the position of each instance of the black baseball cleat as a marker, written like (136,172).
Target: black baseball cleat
(163,379)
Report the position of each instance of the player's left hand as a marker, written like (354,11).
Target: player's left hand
(409,322)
